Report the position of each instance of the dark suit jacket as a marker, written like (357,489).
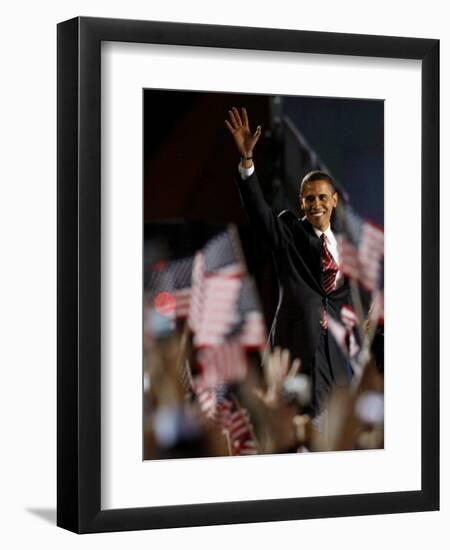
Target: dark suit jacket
(297,254)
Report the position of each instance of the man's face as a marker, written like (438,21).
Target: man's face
(317,201)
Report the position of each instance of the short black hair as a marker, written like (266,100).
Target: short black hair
(317,175)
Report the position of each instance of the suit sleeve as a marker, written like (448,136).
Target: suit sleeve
(260,214)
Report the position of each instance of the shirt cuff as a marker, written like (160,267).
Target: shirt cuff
(246,172)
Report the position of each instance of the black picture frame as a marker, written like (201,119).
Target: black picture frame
(79,275)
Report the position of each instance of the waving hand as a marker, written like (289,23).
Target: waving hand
(238,125)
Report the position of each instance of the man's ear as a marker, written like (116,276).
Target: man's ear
(335,198)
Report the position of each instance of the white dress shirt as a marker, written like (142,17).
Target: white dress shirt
(331,242)
(246,172)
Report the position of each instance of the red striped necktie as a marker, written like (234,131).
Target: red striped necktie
(329,267)
(329,273)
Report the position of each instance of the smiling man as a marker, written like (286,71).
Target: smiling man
(318,198)
(306,259)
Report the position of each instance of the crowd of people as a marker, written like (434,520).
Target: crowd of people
(266,411)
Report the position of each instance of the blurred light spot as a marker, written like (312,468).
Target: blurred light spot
(370,407)
(166,426)
(298,387)
(146,381)
(165,303)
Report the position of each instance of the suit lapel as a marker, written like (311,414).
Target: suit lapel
(314,251)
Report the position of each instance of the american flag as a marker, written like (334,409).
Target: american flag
(222,408)
(198,277)
(361,249)
(169,285)
(209,399)
(236,423)
(226,363)
(254,334)
(223,306)
(223,254)
(225,315)
(348,316)
(342,331)
(216,287)
(250,325)
(213,309)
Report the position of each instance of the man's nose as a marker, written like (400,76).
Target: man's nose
(316,201)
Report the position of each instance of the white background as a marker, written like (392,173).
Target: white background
(127,481)
(28,272)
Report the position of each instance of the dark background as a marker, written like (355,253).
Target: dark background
(190,158)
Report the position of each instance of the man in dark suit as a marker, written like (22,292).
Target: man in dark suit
(306,259)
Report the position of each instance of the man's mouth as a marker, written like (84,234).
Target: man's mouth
(318,213)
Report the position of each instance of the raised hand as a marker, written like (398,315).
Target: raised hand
(237,124)
(277,369)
